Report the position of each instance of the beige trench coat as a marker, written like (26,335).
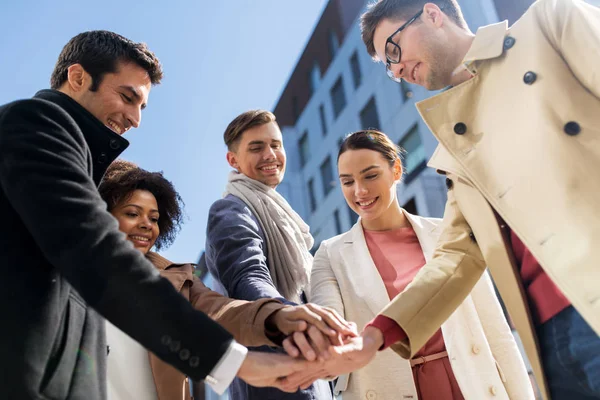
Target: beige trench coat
(481,348)
(520,139)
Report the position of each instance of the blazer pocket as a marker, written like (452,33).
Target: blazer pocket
(61,366)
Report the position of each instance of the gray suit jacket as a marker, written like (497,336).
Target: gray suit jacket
(236,255)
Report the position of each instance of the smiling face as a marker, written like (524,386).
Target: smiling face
(119,99)
(138,219)
(260,154)
(429,58)
(369,183)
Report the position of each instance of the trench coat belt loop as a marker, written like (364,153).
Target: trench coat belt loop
(422,360)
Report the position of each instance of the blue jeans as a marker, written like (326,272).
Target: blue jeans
(571,356)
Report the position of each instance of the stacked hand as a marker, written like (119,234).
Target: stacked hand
(329,345)
(355,353)
(312,329)
(267,369)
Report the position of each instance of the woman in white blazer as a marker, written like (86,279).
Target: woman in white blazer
(474,356)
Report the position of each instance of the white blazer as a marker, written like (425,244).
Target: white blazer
(484,356)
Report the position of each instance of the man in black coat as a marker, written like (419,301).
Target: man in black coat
(65,264)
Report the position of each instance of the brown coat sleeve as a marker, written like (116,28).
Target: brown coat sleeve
(245,320)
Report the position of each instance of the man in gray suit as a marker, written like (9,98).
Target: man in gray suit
(257,246)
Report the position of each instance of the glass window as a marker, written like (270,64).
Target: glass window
(338,223)
(411,206)
(304,149)
(311,195)
(323,120)
(355,66)
(414,159)
(338,97)
(327,176)
(315,77)
(352,216)
(369,119)
(334,43)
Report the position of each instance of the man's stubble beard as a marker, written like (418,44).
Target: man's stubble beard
(443,61)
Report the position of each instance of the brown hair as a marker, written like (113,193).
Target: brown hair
(401,10)
(372,140)
(242,123)
(123,177)
(99,53)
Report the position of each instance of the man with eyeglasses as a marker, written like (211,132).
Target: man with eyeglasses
(519,133)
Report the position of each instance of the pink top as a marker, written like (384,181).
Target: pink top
(398,256)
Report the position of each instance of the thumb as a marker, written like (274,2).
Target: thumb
(288,327)
(292,365)
(349,347)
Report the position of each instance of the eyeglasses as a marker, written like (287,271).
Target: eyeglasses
(393,52)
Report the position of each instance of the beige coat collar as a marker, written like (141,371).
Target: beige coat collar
(488,42)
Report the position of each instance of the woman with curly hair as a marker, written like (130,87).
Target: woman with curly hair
(149,212)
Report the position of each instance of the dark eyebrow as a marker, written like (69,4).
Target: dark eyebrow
(134,93)
(255,142)
(138,207)
(369,168)
(361,172)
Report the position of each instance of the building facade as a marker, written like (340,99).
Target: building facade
(336,89)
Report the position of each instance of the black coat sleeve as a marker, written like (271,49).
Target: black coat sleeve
(45,174)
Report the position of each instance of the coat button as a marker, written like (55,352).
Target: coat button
(107,350)
(449,183)
(102,158)
(184,354)
(166,340)
(529,77)
(460,128)
(114,144)
(474,240)
(493,390)
(175,346)
(572,128)
(509,42)
(475,349)
(371,395)
(194,361)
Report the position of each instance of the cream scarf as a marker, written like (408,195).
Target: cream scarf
(288,236)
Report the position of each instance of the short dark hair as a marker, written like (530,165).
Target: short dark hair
(242,123)
(99,53)
(401,10)
(372,140)
(120,181)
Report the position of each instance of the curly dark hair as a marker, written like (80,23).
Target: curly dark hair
(120,181)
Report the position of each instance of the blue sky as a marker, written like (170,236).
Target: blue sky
(220,58)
